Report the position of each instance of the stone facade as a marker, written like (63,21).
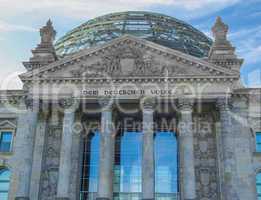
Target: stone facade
(217,117)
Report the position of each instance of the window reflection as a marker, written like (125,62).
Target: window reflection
(90,167)
(166,166)
(5,141)
(127,168)
(258,186)
(258,141)
(4,183)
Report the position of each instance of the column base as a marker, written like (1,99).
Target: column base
(22,198)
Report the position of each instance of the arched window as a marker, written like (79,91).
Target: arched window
(90,167)
(4,183)
(128,166)
(258,185)
(166,165)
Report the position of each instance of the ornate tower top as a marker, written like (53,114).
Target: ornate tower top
(47,33)
(220,30)
(222,53)
(44,53)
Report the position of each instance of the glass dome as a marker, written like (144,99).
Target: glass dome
(158,28)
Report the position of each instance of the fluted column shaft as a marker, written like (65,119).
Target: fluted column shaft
(228,155)
(66,148)
(105,185)
(186,143)
(25,135)
(148,171)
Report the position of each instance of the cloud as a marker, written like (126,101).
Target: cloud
(7,27)
(10,69)
(248,44)
(91,8)
(203,4)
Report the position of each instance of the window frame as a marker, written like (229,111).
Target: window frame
(12,131)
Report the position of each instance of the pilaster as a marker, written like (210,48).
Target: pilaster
(25,137)
(246,175)
(228,160)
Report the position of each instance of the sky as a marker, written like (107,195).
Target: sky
(20,21)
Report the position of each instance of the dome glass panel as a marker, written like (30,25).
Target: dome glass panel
(154,27)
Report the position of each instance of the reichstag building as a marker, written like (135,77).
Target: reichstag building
(131,106)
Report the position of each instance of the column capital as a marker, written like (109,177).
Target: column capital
(148,103)
(29,104)
(223,104)
(106,104)
(185,104)
(69,103)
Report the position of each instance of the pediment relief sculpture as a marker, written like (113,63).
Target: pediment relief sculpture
(123,61)
(130,61)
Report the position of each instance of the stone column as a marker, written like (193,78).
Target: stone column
(66,147)
(23,158)
(186,147)
(148,172)
(105,185)
(38,154)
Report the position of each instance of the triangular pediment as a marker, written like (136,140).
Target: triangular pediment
(128,56)
(6,124)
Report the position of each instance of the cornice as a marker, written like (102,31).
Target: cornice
(11,96)
(177,79)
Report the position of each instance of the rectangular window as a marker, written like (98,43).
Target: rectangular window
(258,142)
(6,141)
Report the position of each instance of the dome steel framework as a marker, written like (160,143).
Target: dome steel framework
(158,28)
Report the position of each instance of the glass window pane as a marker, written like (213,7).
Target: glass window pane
(258,141)
(4,183)
(90,167)
(6,140)
(3,195)
(6,136)
(127,168)
(166,165)
(258,185)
